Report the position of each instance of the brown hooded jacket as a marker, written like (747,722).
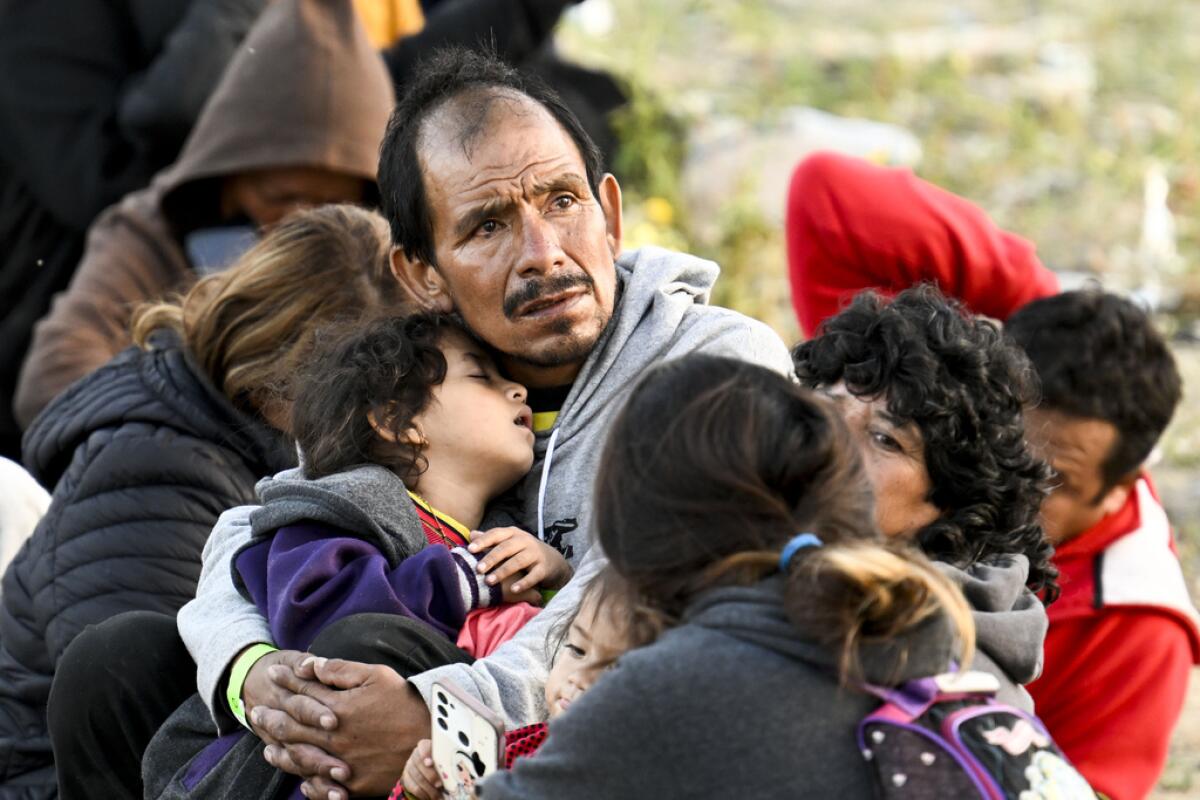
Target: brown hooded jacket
(306,89)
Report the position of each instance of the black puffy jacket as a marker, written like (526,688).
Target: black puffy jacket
(144,454)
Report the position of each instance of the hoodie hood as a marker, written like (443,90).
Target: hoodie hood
(661,312)
(1010,621)
(755,614)
(162,387)
(305,89)
(367,501)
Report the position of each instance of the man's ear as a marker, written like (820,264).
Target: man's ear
(422,282)
(1115,498)
(610,203)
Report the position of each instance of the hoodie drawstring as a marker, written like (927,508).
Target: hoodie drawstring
(542,487)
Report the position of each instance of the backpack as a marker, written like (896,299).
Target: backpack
(947,736)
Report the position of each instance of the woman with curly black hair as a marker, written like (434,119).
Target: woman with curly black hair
(935,398)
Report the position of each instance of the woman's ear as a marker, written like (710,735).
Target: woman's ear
(422,282)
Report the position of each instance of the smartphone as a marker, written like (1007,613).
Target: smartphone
(468,740)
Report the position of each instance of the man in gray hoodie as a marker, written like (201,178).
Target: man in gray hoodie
(500,211)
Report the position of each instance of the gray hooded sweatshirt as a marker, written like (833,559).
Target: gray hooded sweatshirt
(368,500)
(1010,623)
(732,703)
(661,313)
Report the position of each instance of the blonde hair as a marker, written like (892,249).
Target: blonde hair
(858,592)
(250,326)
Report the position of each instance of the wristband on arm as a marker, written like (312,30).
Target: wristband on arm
(237,679)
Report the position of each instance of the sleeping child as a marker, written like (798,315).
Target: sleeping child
(407,431)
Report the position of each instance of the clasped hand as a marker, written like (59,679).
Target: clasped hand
(347,728)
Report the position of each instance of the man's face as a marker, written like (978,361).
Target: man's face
(524,252)
(268,195)
(1076,448)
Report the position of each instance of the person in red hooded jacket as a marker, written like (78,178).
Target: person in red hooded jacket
(1124,633)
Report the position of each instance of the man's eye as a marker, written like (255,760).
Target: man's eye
(564,201)
(489,226)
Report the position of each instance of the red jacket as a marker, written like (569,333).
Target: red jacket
(852,225)
(1123,637)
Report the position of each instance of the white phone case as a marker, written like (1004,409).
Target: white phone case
(468,740)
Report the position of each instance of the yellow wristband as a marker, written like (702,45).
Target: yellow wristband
(237,678)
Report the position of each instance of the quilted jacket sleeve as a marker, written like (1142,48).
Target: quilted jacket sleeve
(124,531)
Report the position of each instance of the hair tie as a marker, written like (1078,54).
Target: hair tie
(795,544)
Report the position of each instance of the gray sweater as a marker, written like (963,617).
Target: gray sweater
(1010,623)
(662,313)
(731,704)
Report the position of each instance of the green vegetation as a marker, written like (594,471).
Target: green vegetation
(1048,113)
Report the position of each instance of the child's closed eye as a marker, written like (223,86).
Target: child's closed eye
(577,652)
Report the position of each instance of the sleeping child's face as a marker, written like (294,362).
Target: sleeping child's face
(591,646)
(477,427)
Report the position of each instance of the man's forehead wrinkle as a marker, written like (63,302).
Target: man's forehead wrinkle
(522,173)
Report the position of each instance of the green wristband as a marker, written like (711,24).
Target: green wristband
(237,678)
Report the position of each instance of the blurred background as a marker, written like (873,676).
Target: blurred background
(1071,122)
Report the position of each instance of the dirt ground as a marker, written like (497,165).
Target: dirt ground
(1177,481)
(1182,776)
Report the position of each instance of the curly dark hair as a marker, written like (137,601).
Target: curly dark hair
(1098,356)
(965,387)
(386,367)
(478,79)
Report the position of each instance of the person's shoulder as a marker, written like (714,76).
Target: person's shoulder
(1141,569)
(724,332)
(138,213)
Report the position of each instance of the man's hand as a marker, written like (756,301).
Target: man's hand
(509,552)
(378,717)
(260,690)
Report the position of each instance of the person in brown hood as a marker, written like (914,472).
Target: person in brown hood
(296,121)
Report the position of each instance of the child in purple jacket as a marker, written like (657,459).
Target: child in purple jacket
(407,432)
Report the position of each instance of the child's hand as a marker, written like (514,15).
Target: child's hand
(420,778)
(512,552)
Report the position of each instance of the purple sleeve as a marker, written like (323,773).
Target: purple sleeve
(303,578)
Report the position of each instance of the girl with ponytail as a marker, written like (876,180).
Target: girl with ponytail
(735,512)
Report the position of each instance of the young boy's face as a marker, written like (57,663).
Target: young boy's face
(478,428)
(1076,448)
(592,645)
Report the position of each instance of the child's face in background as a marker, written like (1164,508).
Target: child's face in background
(593,643)
(477,428)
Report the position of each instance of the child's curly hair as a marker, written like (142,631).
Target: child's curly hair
(383,369)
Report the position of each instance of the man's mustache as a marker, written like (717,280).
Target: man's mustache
(538,288)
